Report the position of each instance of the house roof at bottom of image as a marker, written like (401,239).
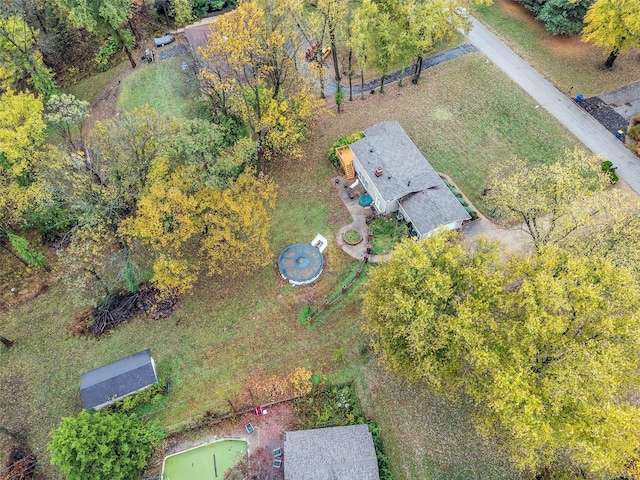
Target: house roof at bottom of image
(117,379)
(334,453)
(432,208)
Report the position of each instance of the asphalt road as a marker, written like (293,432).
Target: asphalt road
(580,123)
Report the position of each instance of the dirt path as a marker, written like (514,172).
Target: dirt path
(104,106)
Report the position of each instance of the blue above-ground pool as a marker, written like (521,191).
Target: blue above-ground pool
(365,200)
(300,263)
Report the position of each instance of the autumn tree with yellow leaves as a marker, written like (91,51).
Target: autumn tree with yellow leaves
(614,25)
(194,228)
(547,345)
(150,194)
(246,59)
(22,152)
(541,197)
(570,203)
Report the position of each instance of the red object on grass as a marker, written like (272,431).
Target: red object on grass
(258,410)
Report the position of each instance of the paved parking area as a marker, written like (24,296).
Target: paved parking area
(625,101)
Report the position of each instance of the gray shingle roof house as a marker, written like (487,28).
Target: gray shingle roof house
(106,385)
(398,177)
(334,453)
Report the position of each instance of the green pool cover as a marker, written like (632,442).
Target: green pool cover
(208,462)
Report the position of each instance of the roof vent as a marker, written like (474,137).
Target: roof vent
(378,172)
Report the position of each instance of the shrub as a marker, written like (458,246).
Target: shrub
(201,7)
(607,167)
(146,400)
(102,445)
(335,406)
(342,141)
(112,47)
(563,17)
(305,313)
(383,462)
(317,379)
(383,230)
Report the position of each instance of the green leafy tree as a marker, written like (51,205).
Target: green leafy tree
(614,25)
(181,12)
(25,252)
(373,26)
(361,29)
(564,17)
(104,17)
(546,345)
(99,445)
(65,113)
(534,5)
(432,22)
(215,154)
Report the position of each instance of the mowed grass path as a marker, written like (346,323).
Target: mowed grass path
(164,85)
(465,116)
(89,89)
(566,61)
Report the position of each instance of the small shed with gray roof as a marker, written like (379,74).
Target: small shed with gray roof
(110,383)
(399,178)
(344,453)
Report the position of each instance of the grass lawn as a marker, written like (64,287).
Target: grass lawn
(163,85)
(231,332)
(466,117)
(89,89)
(387,231)
(566,61)
(427,436)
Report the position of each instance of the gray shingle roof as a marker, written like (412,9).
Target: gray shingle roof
(433,207)
(117,379)
(387,146)
(335,453)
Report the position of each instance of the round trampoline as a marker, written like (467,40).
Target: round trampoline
(300,263)
(365,200)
